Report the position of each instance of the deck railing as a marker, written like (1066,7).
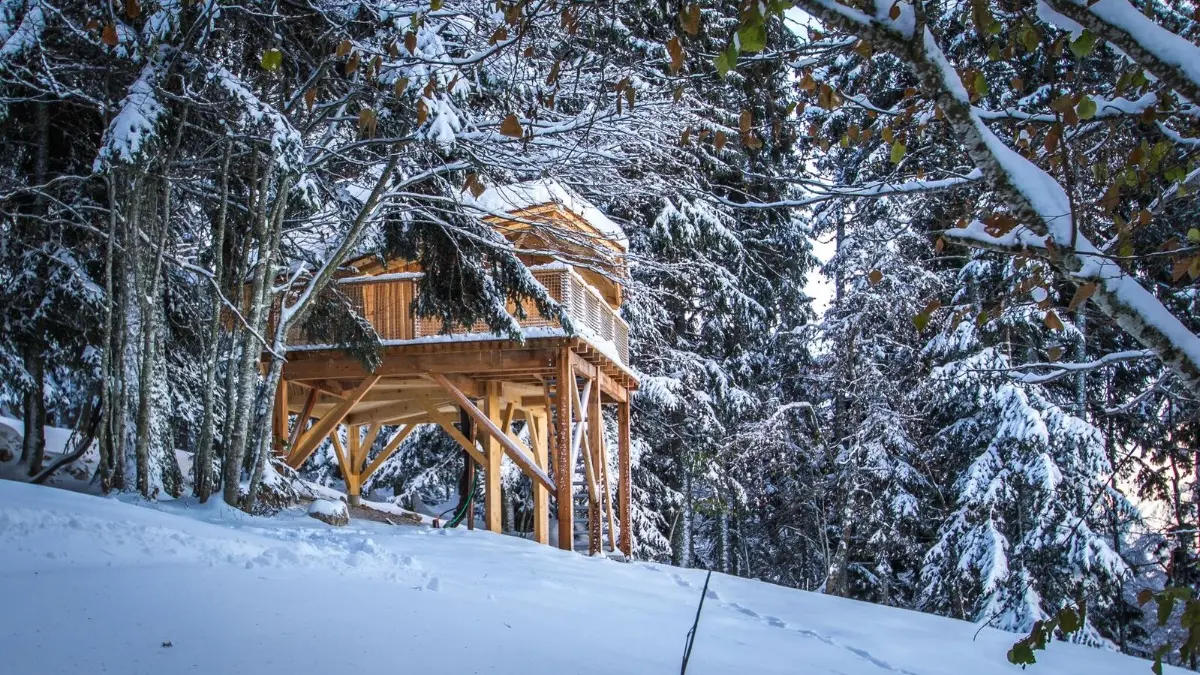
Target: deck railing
(385,301)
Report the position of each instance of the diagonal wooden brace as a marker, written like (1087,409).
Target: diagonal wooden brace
(447,425)
(312,438)
(518,455)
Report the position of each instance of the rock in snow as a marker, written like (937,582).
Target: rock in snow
(327,511)
(10,443)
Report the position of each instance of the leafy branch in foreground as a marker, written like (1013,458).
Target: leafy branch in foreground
(1189,621)
(1068,621)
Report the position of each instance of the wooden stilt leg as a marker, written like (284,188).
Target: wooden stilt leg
(388,449)
(340,452)
(472,467)
(595,424)
(624,484)
(352,469)
(564,377)
(541,496)
(492,452)
(606,494)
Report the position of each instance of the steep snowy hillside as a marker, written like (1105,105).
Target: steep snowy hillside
(92,585)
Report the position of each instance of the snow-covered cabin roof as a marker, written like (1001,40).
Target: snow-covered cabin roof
(520,196)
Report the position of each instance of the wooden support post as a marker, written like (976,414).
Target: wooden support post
(312,438)
(281,418)
(492,506)
(564,377)
(606,494)
(340,452)
(302,420)
(548,404)
(541,496)
(624,484)
(351,471)
(595,424)
(473,466)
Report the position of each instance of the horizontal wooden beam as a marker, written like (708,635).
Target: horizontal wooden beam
(582,366)
(329,387)
(609,386)
(400,410)
(521,457)
(538,401)
(497,361)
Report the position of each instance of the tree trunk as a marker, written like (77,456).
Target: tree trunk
(262,432)
(34,446)
(146,285)
(682,542)
(104,470)
(839,563)
(202,462)
(246,366)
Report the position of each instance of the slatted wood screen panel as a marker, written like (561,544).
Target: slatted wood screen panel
(554,281)
(387,306)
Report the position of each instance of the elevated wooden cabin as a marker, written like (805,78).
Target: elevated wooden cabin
(557,384)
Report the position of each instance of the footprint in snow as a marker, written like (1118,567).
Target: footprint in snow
(434,585)
(747,611)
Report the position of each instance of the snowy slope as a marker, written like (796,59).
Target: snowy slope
(95,585)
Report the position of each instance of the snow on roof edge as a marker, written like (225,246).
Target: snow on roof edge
(517,196)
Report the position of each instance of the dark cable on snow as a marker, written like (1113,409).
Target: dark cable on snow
(691,636)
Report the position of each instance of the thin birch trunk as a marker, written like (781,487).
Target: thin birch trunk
(202,463)
(104,470)
(247,365)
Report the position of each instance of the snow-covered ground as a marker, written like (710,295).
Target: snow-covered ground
(97,585)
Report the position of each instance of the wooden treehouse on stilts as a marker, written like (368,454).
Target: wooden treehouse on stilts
(557,385)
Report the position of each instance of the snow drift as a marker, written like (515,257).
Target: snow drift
(97,585)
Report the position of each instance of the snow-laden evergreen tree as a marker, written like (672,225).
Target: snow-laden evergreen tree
(712,283)
(1022,536)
